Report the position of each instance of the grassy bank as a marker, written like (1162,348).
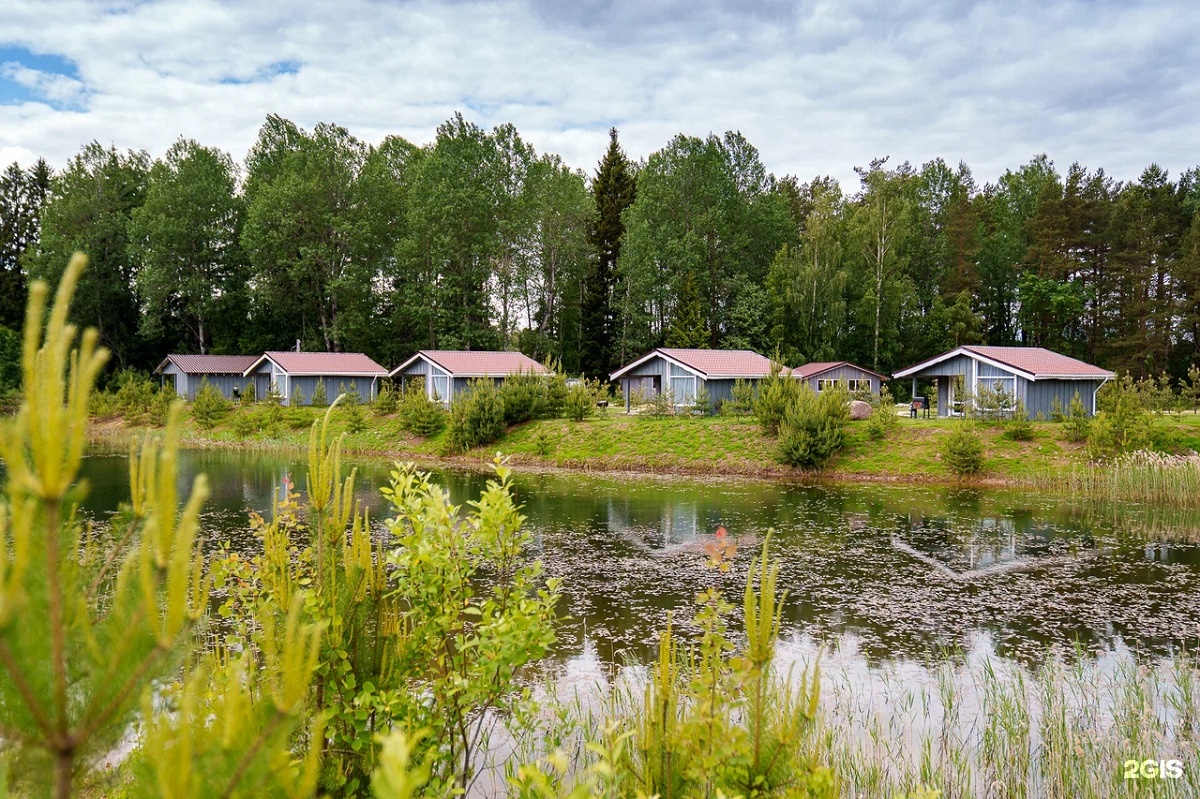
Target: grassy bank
(680,444)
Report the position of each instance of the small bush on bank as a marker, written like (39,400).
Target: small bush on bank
(702,402)
(210,406)
(386,402)
(741,399)
(524,397)
(1076,424)
(962,450)
(354,416)
(813,427)
(476,417)
(1019,428)
(775,395)
(883,421)
(136,397)
(320,397)
(580,401)
(420,415)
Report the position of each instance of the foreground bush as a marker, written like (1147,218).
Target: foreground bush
(97,630)
(813,427)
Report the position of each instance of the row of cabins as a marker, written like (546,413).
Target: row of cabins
(1036,377)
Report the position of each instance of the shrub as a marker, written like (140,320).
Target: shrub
(320,398)
(248,397)
(702,403)
(210,406)
(297,398)
(524,398)
(580,402)
(1019,428)
(354,416)
(741,400)
(962,450)
(476,416)
(420,415)
(244,424)
(813,427)
(775,394)
(883,419)
(662,404)
(1076,424)
(386,401)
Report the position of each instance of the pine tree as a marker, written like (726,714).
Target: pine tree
(614,190)
(21,196)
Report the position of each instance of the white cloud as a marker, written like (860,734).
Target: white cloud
(818,87)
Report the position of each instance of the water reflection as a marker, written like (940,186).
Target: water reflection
(904,572)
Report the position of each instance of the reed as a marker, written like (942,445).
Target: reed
(1151,477)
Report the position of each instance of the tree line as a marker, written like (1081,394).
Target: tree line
(477,241)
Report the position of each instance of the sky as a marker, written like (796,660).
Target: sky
(818,87)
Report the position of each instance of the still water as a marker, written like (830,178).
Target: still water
(893,573)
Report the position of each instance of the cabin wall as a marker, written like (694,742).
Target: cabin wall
(1040,395)
(843,373)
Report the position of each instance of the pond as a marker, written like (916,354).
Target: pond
(891,573)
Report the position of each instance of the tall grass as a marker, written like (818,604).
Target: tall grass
(971,726)
(1172,480)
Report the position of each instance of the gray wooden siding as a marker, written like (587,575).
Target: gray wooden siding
(844,373)
(188,385)
(1039,395)
(987,370)
(333,387)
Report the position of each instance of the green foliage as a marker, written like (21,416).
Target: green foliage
(244,423)
(662,404)
(136,397)
(10,361)
(719,722)
(96,629)
(992,401)
(352,411)
(883,421)
(248,397)
(420,415)
(702,402)
(320,399)
(297,399)
(1122,425)
(524,398)
(813,427)
(741,400)
(476,416)
(210,406)
(962,450)
(581,401)
(1076,423)
(775,393)
(386,402)
(1019,428)
(467,642)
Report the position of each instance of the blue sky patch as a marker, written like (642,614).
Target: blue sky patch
(13,91)
(265,73)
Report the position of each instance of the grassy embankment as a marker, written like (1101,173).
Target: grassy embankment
(683,445)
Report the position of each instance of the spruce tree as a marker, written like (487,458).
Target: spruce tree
(614,190)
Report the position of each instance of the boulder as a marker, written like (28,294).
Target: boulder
(859,410)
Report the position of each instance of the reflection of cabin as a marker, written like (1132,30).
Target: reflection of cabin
(187,373)
(830,374)
(298,373)
(1033,375)
(685,372)
(448,372)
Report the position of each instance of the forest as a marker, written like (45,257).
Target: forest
(477,241)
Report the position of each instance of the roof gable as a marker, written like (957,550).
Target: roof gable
(709,364)
(333,364)
(208,364)
(820,367)
(1032,363)
(476,363)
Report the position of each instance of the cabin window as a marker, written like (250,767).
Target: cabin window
(440,386)
(824,384)
(853,385)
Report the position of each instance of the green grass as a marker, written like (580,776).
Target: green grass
(692,445)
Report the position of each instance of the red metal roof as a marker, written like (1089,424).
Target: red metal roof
(817,367)
(1035,362)
(478,363)
(1039,361)
(722,363)
(345,364)
(209,364)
